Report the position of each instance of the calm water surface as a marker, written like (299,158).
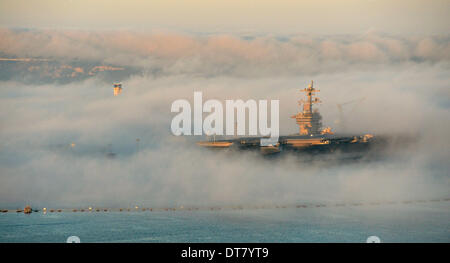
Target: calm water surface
(425,222)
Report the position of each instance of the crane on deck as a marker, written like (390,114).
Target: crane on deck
(341,120)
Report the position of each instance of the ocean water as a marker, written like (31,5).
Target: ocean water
(417,222)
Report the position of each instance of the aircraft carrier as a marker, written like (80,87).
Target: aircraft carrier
(312,138)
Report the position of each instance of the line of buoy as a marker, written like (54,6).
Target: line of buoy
(29,210)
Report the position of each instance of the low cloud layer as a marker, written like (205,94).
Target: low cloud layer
(404,83)
(168,53)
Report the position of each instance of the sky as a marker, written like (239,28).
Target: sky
(410,17)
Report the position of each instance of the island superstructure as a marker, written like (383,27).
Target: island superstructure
(309,121)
